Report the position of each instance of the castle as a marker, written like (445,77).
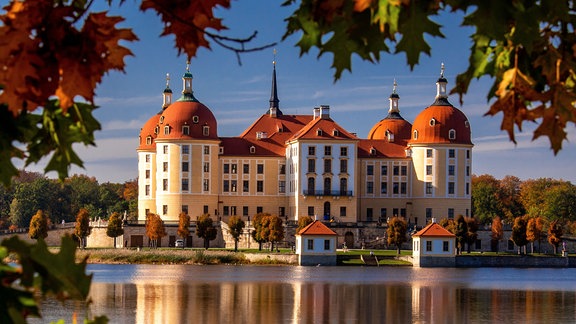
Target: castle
(297,165)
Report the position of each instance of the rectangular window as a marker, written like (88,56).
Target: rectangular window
(233,168)
(206,166)
(369,187)
(233,185)
(342,211)
(226,211)
(311,150)
(402,188)
(165,166)
(310,210)
(164,209)
(395,212)
(451,153)
(185,149)
(326,245)
(343,166)
(311,165)
(205,209)
(184,184)
(327,150)
(450,188)
(451,170)
(147,174)
(184,166)
(468,154)
(429,246)
(226,186)
(246,168)
(428,170)
(403,212)
(384,188)
(384,170)
(428,188)
(369,170)
(344,151)
(165,149)
(282,168)
(383,212)
(281,211)
(185,209)
(467,171)
(226,168)
(147,190)
(244,210)
(282,186)
(395,188)
(233,210)
(428,153)
(467,188)
(451,213)
(206,149)
(403,170)
(165,184)
(395,170)
(147,158)
(260,168)
(369,214)
(245,186)
(428,213)
(259,209)
(310,244)
(259,186)
(445,246)
(327,166)
(206,185)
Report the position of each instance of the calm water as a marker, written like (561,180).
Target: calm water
(286,294)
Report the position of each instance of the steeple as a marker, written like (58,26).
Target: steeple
(441,94)
(187,93)
(274,102)
(394,110)
(167,94)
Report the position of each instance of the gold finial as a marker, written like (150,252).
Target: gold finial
(187,65)
(395,85)
(274,61)
(167,80)
(442,70)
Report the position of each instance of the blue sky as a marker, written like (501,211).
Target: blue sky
(239,94)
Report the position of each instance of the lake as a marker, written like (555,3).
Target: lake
(294,294)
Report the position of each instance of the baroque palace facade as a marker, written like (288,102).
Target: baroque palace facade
(297,165)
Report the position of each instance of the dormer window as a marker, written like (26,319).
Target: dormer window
(372,151)
(221,150)
(390,136)
(318,132)
(252,149)
(335,132)
(206,130)
(415,134)
(432,121)
(148,140)
(166,130)
(156,130)
(161,119)
(452,134)
(186,130)
(467,124)
(195,119)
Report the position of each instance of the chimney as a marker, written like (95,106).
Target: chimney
(316,113)
(324,111)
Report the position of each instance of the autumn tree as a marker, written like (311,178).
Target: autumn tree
(461,233)
(509,197)
(114,228)
(205,229)
(472,231)
(448,224)
(519,233)
(38,226)
(485,198)
(236,225)
(396,232)
(155,229)
(555,233)
(497,233)
(82,226)
(183,227)
(258,234)
(534,229)
(273,230)
(303,222)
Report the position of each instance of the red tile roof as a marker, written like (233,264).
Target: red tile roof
(434,229)
(382,149)
(327,125)
(316,228)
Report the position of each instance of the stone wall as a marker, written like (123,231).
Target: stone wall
(527,261)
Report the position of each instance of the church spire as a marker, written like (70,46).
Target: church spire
(394,97)
(187,92)
(274,101)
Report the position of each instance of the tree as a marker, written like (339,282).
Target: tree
(497,233)
(448,224)
(236,225)
(485,194)
(183,227)
(258,234)
(526,51)
(274,230)
(396,232)
(114,228)
(38,226)
(472,231)
(303,222)
(519,233)
(461,232)
(509,197)
(555,233)
(534,231)
(155,229)
(82,227)
(205,229)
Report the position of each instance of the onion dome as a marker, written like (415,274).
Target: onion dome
(187,118)
(393,128)
(441,122)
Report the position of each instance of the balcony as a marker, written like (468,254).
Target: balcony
(344,193)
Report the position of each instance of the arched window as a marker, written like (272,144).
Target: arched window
(186,130)
(327,186)
(343,186)
(432,121)
(166,130)
(311,185)
(452,134)
(415,134)
(206,130)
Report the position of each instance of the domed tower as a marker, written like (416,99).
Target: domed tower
(393,128)
(147,157)
(186,147)
(442,159)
